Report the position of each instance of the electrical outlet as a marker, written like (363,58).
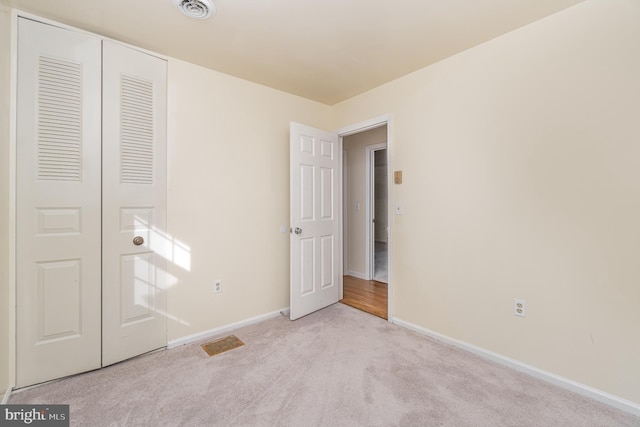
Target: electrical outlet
(520,307)
(217,285)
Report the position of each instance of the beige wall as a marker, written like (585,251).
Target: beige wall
(5,60)
(356,224)
(229,195)
(521,180)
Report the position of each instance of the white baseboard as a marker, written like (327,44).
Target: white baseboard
(355,274)
(574,386)
(7,396)
(222,329)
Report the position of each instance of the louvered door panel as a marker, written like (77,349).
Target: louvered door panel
(134,202)
(58,203)
(136,145)
(59,119)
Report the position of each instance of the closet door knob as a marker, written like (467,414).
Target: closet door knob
(138,240)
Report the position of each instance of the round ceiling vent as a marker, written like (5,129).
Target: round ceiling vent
(199,9)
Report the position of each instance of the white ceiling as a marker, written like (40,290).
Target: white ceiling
(326,50)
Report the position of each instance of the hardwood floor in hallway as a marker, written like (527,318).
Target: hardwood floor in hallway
(366,295)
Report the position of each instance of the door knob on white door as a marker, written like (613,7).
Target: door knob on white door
(138,240)
(298,230)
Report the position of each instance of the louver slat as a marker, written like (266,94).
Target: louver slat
(59,120)
(136,131)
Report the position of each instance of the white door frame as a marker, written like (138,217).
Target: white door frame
(344,222)
(12,238)
(357,128)
(369,234)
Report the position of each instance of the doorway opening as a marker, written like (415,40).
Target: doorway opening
(366,219)
(377,216)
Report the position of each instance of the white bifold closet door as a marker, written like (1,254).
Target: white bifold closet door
(133,203)
(91,176)
(58,252)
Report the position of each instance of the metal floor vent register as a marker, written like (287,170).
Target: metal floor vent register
(220,346)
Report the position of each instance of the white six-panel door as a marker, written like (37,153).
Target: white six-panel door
(316,206)
(58,203)
(91,176)
(133,203)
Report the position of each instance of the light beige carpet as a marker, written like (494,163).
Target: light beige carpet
(336,367)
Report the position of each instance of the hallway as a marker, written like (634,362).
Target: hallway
(367,295)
